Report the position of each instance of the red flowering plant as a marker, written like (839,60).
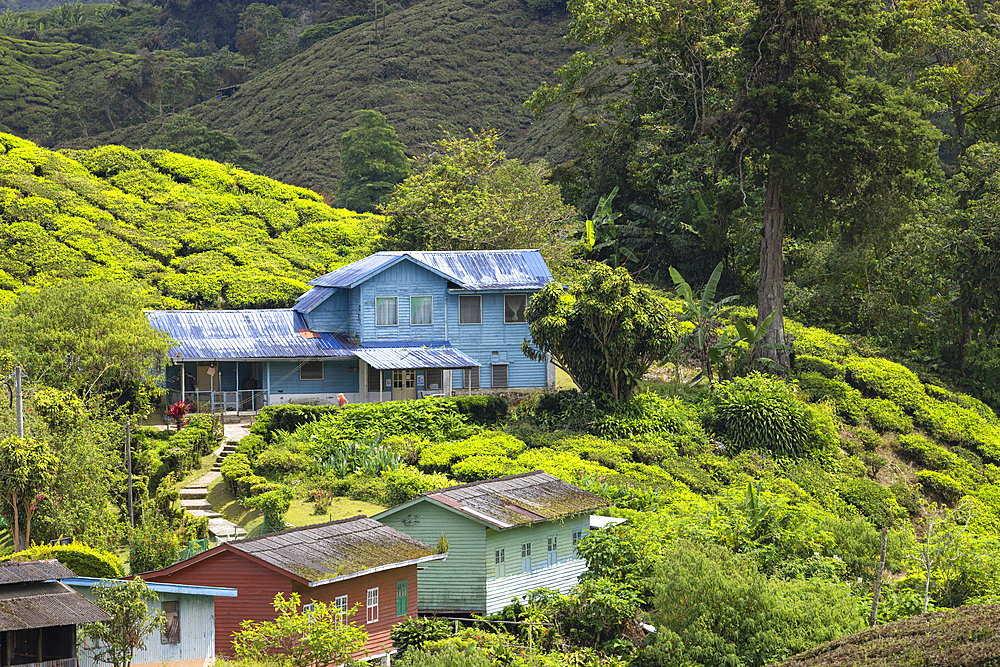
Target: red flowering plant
(177,411)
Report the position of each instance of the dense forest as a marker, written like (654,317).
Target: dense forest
(787,209)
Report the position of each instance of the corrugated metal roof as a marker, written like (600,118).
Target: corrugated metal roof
(516,500)
(470,269)
(336,549)
(312,298)
(387,358)
(43,605)
(16,572)
(184,589)
(243,334)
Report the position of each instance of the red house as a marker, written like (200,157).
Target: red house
(344,563)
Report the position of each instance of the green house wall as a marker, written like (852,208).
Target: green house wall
(457,584)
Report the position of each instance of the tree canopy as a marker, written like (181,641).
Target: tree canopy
(373,160)
(604,332)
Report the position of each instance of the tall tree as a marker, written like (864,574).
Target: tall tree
(605,332)
(26,468)
(373,161)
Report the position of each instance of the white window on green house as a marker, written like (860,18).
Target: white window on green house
(386,311)
(526,558)
(498,560)
(577,536)
(421,310)
(552,553)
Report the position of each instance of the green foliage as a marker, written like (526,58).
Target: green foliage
(281,460)
(251,446)
(816,342)
(875,502)
(809,364)
(373,162)
(273,419)
(760,412)
(648,414)
(366,456)
(565,409)
(273,504)
(404,483)
(413,633)
(28,467)
(941,485)
(597,611)
(442,456)
(184,134)
(446,655)
(61,410)
(715,608)
(484,410)
(153,545)
(953,423)
(84,337)
(605,333)
(85,561)
(886,379)
(885,415)
(235,467)
(466,194)
(921,450)
(845,398)
(115,642)
(296,638)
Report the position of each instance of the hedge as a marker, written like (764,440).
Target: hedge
(83,560)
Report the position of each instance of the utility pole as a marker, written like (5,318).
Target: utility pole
(128,465)
(19,402)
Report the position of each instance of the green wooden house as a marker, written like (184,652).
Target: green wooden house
(506,536)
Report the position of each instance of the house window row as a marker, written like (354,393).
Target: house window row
(470,310)
(371,604)
(551,555)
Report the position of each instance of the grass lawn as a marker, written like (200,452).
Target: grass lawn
(299,514)
(563,380)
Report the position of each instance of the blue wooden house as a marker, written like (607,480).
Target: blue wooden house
(392,326)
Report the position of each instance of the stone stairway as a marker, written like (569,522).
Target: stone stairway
(194,499)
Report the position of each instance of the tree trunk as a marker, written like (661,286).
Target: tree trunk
(878,578)
(17,524)
(771,278)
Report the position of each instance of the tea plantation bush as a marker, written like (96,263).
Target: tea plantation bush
(85,561)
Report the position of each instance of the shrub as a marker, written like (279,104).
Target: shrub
(886,416)
(965,401)
(870,440)
(941,485)
(907,498)
(887,379)
(568,408)
(251,446)
(817,342)
(760,412)
(806,363)
(486,467)
(281,460)
(153,546)
(481,410)
(443,456)
(366,456)
(406,482)
(845,398)
(953,423)
(608,453)
(919,449)
(273,504)
(414,632)
(872,500)
(649,414)
(83,560)
(234,467)
(368,488)
(274,419)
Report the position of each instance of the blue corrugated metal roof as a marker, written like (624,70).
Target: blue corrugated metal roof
(312,298)
(187,589)
(387,358)
(471,269)
(241,334)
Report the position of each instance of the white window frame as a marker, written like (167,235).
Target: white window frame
(170,633)
(396,311)
(371,601)
(421,296)
(470,296)
(322,371)
(340,608)
(505,320)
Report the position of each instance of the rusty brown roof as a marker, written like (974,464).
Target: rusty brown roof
(37,604)
(336,549)
(13,572)
(517,500)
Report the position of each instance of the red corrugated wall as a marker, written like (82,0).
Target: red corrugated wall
(257,586)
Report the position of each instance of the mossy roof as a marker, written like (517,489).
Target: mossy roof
(39,604)
(336,549)
(15,572)
(517,500)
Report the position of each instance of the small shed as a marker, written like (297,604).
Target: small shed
(38,614)
(356,561)
(187,640)
(506,536)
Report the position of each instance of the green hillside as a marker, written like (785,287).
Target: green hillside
(201,233)
(456,64)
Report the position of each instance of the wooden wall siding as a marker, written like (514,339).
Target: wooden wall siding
(257,586)
(197,632)
(353,315)
(337,378)
(500,592)
(403,281)
(357,592)
(333,315)
(521,371)
(510,541)
(455,584)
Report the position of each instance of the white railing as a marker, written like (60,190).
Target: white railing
(242,401)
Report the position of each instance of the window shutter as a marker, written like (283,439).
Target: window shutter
(500,376)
